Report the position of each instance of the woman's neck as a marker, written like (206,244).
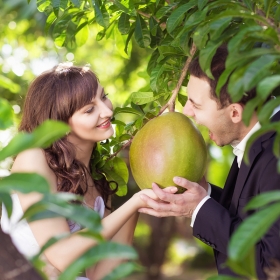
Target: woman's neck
(83,150)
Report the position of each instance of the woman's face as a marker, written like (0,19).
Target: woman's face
(92,123)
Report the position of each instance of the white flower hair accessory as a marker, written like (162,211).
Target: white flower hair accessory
(64,67)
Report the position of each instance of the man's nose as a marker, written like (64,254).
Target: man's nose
(188,110)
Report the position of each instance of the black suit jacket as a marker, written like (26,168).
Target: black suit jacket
(223,212)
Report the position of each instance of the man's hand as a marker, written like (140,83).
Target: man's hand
(171,204)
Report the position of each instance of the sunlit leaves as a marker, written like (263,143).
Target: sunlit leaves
(101,14)
(141,98)
(95,254)
(251,231)
(116,171)
(122,271)
(59,205)
(41,137)
(178,14)
(127,110)
(6,114)
(9,84)
(82,34)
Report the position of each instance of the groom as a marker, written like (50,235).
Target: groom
(215,213)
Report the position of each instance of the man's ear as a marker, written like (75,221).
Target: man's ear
(236,111)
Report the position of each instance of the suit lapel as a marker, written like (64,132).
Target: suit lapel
(226,196)
(245,169)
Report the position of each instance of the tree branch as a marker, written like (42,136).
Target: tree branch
(171,102)
(122,148)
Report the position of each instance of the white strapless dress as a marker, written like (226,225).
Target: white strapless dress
(23,237)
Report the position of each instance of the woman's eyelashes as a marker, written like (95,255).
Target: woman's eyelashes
(88,111)
(104,97)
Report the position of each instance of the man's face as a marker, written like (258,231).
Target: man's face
(205,111)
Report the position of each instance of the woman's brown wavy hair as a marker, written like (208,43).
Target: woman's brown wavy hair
(57,94)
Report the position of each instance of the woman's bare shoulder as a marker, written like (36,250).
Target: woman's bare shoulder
(34,161)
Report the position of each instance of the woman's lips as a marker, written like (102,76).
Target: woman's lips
(105,124)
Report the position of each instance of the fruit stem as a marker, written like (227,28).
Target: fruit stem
(171,102)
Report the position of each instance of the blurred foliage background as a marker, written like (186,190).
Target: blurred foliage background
(166,247)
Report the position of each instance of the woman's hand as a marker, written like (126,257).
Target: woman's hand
(151,194)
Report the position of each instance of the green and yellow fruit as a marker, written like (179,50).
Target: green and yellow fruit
(167,146)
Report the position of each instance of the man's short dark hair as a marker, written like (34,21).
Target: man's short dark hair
(217,68)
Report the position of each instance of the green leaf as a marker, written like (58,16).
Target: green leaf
(249,4)
(236,40)
(141,98)
(77,3)
(250,108)
(9,84)
(217,28)
(50,20)
(6,114)
(245,266)
(153,61)
(257,70)
(182,99)
(42,5)
(264,129)
(267,85)
(122,271)
(24,183)
(155,76)
(128,39)
(206,55)
(267,5)
(123,24)
(122,6)
(111,173)
(262,200)
(59,205)
(178,15)
(103,250)
(101,14)
(251,231)
(222,277)
(120,168)
(201,4)
(59,4)
(127,110)
(43,136)
(142,34)
(164,10)
(200,36)
(82,35)
(153,26)
(123,48)
(236,84)
(7,201)
(267,110)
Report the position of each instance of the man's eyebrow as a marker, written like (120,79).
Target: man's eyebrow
(196,104)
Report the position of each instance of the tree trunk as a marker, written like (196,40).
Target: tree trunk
(153,256)
(13,266)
